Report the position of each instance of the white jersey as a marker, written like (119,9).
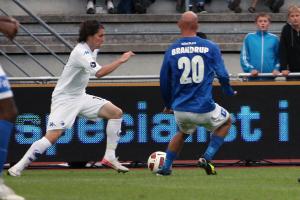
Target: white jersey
(75,76)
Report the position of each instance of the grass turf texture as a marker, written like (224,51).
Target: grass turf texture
(270,183)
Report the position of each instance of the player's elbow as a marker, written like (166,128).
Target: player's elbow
(100,73)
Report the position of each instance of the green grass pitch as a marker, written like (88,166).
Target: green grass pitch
(268,183)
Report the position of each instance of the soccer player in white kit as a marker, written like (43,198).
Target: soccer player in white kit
(69,99)
(8,110)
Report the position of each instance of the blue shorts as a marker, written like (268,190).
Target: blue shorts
(5,91)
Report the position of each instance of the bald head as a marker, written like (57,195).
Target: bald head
(188,22)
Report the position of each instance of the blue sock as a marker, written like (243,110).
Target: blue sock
(5,131)
(170,157)
(213,146)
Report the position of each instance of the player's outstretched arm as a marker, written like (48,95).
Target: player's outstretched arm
(9,26)
(226,87)
(222,73)
(107,69)
(228,90)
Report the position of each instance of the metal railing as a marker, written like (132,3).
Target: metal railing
(267,76)
(73,34)
(110,79)
(292,75)
(51,30)
(242,77)
(37,39)
(13,62)
(34,37)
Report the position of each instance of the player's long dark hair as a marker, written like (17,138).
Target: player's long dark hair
(88,28)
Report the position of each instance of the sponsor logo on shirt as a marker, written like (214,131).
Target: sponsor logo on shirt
(94,97)
(223,113)
(4,85)
(86,53)
(51,124)
(93,64)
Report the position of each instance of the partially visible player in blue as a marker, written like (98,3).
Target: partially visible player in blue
(188,70)
(8,110)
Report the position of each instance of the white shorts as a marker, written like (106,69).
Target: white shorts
(65,110)
(5,91)
(188,121)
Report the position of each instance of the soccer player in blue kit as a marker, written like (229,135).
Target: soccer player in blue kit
(188,70)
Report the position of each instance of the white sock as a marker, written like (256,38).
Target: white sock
(113,130)
(110,5)
(35,150)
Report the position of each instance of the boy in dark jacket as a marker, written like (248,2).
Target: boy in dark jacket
(289,47)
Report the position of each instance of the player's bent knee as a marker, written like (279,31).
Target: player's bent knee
(226,126)
(228,123)
(118,114)
(115,113)
(223,129)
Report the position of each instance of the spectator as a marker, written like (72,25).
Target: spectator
(90,7)
(140,6)
(198,6)
(289,48)
(125,7)
(234,5)
(259,53)
(134,6)
(252,7)
(201,35)
(180,6)
(274,5)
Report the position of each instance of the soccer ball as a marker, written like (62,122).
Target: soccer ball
(156,161)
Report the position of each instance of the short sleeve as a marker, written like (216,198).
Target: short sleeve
(87,60)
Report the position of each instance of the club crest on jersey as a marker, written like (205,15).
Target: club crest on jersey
(62,123)
(93,64)
(4,85)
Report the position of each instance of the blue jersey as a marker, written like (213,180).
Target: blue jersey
(5,91)
(187,73)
